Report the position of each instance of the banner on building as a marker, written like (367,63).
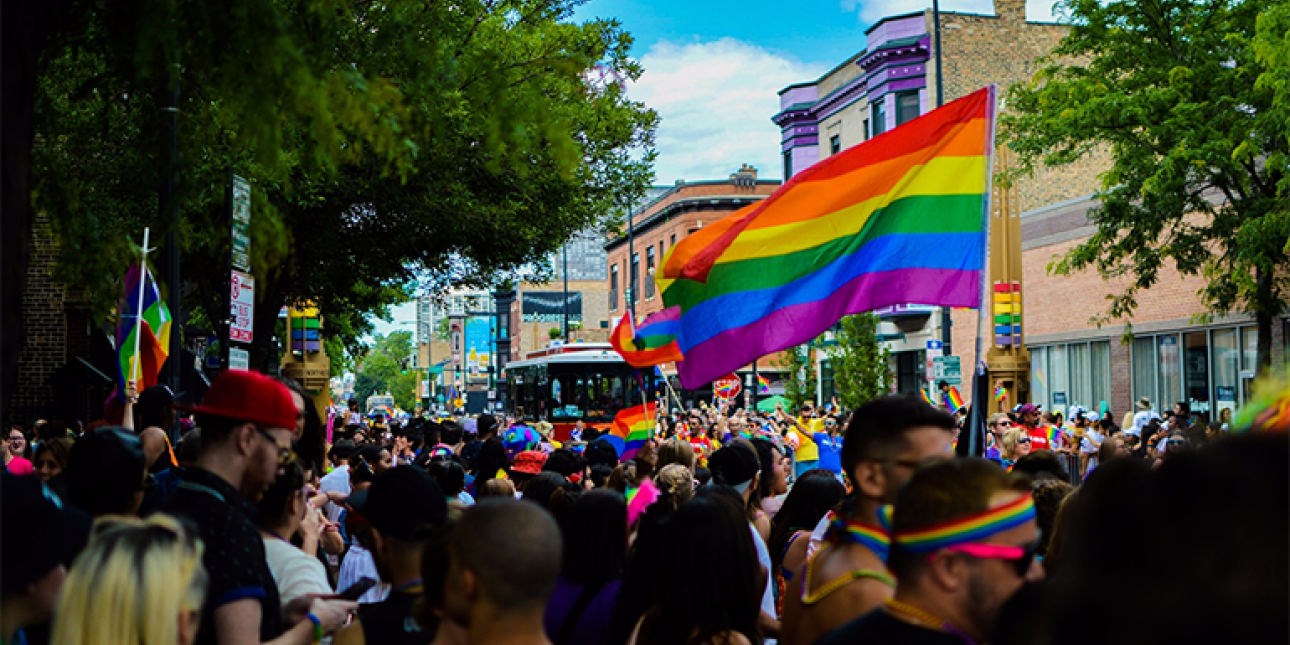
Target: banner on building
(548,306)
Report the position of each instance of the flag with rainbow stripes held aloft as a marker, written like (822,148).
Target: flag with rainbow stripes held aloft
(897,219)
(144,325)
(633,426)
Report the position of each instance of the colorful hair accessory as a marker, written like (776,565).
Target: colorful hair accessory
(639,499)
(968,529)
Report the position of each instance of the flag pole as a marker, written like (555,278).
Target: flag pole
(976,422)
(138,318)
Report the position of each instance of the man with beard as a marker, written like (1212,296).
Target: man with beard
(886,439)
(964,539)
(246,420)
(504,561)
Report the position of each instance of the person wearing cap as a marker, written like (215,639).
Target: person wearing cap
(1033,428)
(1143,417)
(107,473)
(504,560)
(846,573)
(247,420)
(528,464)
(404,508)
(39,541)
(964,540)
(738,466)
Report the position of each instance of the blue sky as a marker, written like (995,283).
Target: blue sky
(713,69)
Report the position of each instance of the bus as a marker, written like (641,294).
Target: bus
(567,383)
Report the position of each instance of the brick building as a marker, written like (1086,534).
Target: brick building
(672,215)
(57,377)
(1074,362)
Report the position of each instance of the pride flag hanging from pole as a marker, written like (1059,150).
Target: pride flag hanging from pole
(899,219)
(142,339)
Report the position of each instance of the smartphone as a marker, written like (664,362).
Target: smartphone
(357,589)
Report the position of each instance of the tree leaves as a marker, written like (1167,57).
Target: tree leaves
(1184,97)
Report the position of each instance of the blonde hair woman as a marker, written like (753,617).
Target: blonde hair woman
(1014,445)
(137,583)
(675,451)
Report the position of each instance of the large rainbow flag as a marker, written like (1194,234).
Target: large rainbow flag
(633,426)
(153,331)
(653,342)
(897,220)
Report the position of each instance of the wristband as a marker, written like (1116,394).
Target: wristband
(318,628)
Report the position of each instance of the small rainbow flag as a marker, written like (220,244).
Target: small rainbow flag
(727,389)
(763,384)
(153,331)
(897,219)
(953,400)
(1000,393)
(927,397)
(653,342)
(634,426)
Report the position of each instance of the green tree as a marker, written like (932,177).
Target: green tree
(386,367)
(800,379)
(1175,92)
(449,145)
(859,360)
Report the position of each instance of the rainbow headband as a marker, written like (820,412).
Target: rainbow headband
(967,529)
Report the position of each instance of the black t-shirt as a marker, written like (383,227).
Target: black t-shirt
(879,628)
(392,623)
(234,555)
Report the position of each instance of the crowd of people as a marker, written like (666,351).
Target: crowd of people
(266,523)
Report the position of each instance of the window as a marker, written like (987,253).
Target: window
(633,289)
(906,107)
(835,144)
(1170,371)
(879,118)
(865,127)
(649,273)
(613,288)
(1068,375)
(788,164)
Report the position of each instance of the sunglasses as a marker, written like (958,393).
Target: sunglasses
(285,453)
(1021,557)
(1024,440)
(1177,442)
(830,423)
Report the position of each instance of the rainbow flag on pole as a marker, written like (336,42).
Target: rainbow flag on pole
(763,384)
(898,219)
(634,426)
(152,330)
(651,343)
(927,397)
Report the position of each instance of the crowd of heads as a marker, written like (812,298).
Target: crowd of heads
(487,529)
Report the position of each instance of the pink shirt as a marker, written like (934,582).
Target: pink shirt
(20,466)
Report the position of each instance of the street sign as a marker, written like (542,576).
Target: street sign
(239,359)
(241,224)
(727,387)
(242,310)
(933,351)
(948,369)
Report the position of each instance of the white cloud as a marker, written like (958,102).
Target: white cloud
(715,100)
(872,11)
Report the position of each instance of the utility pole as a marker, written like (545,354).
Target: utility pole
(631,262)
(170,202)
(566,291)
